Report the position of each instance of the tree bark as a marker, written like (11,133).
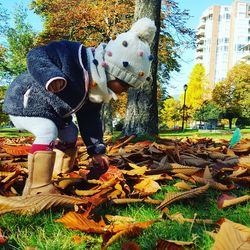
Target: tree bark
(142,112)
(107,120)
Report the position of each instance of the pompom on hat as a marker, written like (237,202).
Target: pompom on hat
(127,57)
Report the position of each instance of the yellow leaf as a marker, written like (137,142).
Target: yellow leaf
(232,236)
(147,186)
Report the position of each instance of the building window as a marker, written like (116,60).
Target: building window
(228,16)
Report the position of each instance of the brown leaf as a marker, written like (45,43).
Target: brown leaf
(227,200)
(131,245)
(132,229)
(172,197)
(34,204)
(172,245)
(232,236)
(80,222)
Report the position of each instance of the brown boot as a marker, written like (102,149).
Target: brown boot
(64,160)
(40,167)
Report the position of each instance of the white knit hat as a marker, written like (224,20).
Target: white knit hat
(127,58)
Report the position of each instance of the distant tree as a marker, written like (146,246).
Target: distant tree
(170,113)
(20,39)
(89,21)
(197,90)
(208,111)
(232,94)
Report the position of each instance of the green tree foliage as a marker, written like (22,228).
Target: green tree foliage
(170,114)
(20,39)
(233,94)
(197,88)
(208,111)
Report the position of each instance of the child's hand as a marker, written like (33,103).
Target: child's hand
(56,85)
(102,160)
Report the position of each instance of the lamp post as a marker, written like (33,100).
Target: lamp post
(184,106)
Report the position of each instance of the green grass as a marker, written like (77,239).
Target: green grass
(42,232)
(222,134)
(12,132)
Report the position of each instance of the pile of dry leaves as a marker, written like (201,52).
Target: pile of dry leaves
(136,172)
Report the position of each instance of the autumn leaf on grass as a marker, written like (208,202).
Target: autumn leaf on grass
(135,200)
(172,197)
(232,236)
(116,219)
(80,222)
(147,187)
(3,239)
(179,218)
(131,245)
(228,200)
(34,204)
(173,245)
(121,230)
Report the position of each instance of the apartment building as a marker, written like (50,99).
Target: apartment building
(223,38)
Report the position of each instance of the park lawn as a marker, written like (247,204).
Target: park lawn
(220,134)
(41,232)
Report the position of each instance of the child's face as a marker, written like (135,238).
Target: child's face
(118,86)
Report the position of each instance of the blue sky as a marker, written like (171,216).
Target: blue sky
(196,8)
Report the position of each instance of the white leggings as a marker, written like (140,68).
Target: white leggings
(45,130)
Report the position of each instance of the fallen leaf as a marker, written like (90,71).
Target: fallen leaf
(232,236)
(182,185)
(147,186)
(172,245)
(131,245)
(34,204)
(172,197)
(3,239)
(228,200)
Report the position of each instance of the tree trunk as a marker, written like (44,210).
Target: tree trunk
(106,114)
(142,112)
(230,122)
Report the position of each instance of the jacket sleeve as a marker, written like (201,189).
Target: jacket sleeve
(44,67)
(90,125)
